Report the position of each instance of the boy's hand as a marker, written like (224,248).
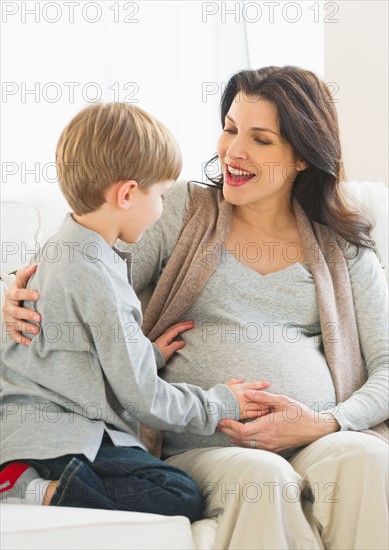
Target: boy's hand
(16,317)
(249,408)
(166,343)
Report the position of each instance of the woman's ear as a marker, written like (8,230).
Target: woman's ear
(301,165)
(125,194)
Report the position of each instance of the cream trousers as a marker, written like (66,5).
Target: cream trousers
(332,494)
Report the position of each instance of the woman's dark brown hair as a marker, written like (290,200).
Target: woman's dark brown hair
(308,122)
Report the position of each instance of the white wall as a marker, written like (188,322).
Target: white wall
(288,33)
(356,60)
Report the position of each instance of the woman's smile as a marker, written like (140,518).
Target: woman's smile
(236,176)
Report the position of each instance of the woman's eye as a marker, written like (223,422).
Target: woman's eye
(262,142)
(229,131)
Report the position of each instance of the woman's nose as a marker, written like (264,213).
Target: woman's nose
(237,149)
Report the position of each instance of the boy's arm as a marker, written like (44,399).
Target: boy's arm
(127,358)
(159,358)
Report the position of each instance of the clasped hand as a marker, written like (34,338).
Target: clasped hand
(283,424)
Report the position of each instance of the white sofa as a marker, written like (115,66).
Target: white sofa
(32,220)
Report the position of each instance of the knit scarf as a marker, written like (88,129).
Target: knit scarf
(196,257)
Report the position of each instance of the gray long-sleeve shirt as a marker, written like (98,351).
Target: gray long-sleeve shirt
(268,327)
(91,369)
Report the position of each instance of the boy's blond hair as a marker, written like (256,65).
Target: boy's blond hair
(110,142)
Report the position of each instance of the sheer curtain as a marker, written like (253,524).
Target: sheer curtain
(171,58)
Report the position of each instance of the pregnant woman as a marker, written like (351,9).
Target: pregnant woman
(279,273)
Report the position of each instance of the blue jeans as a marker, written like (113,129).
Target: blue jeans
(122,478)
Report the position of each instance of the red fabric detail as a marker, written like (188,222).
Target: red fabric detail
(11,473)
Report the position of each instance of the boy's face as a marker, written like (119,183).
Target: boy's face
(146,209)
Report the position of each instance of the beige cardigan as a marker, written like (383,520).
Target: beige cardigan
(197,255)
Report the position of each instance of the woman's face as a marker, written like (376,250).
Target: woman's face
(258,165)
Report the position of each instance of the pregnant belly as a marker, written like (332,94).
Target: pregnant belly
(296,368)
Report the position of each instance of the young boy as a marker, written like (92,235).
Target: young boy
(71,401)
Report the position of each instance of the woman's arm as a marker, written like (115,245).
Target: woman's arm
(368,406)
(156,246)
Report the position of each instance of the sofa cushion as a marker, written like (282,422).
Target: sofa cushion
(374,197)
(61,528)
(20,225)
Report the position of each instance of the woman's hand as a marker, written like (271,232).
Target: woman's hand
(16,317)
(166,343)
(288,425)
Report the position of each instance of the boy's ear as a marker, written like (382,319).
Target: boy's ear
(125,194)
